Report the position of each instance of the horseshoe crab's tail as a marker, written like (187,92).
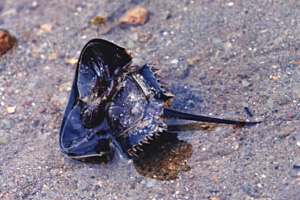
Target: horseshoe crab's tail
(170,113)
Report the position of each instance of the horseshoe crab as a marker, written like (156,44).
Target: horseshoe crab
(116,105)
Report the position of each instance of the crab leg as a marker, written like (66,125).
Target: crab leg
(170,113)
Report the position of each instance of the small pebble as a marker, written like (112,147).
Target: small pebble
(34,4)
(246,188)
(97,187)
(151,183)
(11,110)
(230,4)
(27,103)
(245,83)
(130,44)
(236,146)
(36,123)
(45,28)
(270,103)
(227,46)
(6,41)
(245,104)
(99,19)
(71,61)
(296,163)
(217,43)
(215,198)
(6,123)
(174,61)
(193,60)
(294,174)
(99,182)
(53,56)
(4,140)
(135,16)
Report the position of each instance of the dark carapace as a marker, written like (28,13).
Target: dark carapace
(114,104)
